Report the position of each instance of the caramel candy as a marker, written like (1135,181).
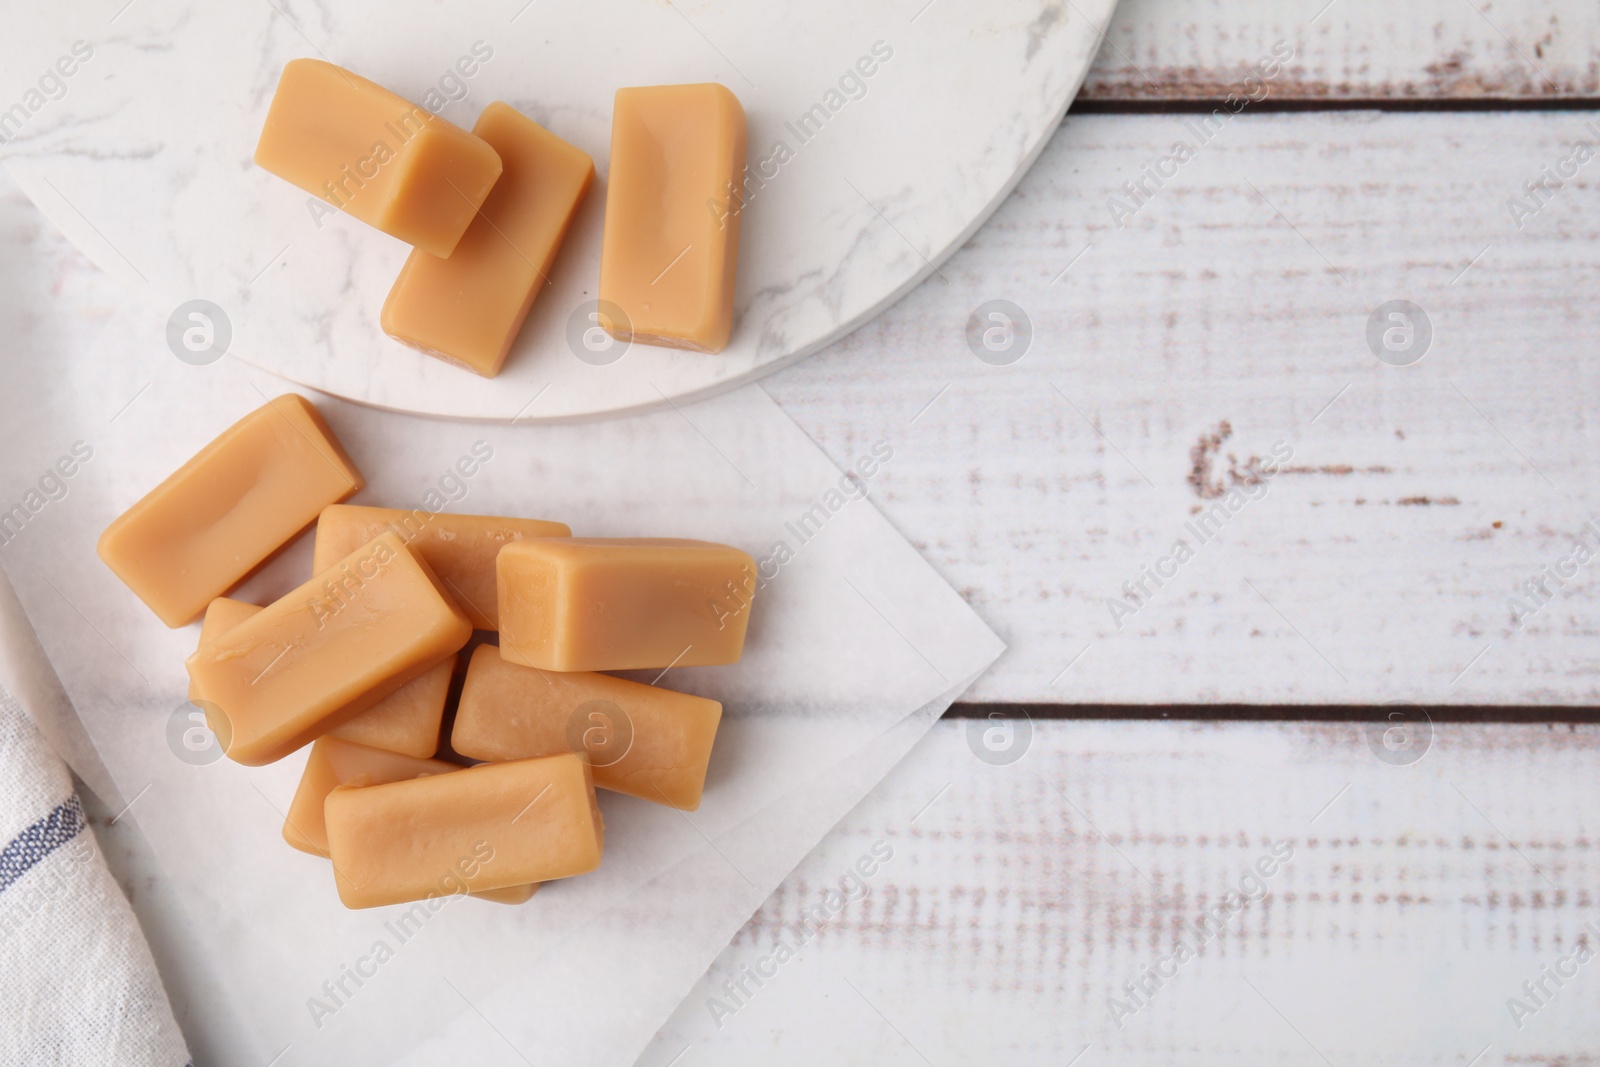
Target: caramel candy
(468,309)
(486,827)
(647,742)
(326,652)
(406,721)
(375,156)
(459,548)
(511,894)
(334,763)
(615,604)
(222,615)
(671,244)
(239,500)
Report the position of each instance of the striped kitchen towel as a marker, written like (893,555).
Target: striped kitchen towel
(77,984)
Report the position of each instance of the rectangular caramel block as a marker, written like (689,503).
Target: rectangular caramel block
(333,763)
(460,549)
(405,721)
(647,742)
(222,615)
(616,604)
(326,652)
(468,309)
(483,828)
(511,894)
(375,156)
(239,500)
(671,244)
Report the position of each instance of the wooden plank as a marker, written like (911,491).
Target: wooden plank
(1170,355)
(1406,906)
(1349,51)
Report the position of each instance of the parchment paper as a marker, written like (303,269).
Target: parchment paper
(852,634)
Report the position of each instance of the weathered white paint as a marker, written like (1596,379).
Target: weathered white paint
(1415,902)
(1164,50)
(1418,499)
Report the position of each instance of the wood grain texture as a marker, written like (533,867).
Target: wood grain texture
(1416,901)
(1228,316)
(1349,50)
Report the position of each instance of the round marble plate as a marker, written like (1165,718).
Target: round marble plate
(884,135)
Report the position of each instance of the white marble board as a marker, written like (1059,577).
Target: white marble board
(143,158)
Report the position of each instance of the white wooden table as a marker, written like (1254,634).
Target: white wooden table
(1240,712)
(1435,869)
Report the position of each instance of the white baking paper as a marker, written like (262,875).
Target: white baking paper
(851,635)
(705,900)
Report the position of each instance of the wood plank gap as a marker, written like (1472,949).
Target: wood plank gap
(1279,712)
(1176,106)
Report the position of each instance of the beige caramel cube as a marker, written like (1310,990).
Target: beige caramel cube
(405,721)
(222,615)
(408,720)
(612,604)
(511,894)
(674,191)
(375,156)
(460,549)
(483,828)
(333,763)
(220,515)
(641,740)
(326,652)
(469,308)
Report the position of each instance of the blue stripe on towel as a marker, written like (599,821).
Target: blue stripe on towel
(39,840)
